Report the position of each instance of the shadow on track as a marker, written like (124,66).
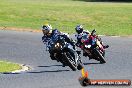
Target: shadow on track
(49,71)
(90,63)
(9,73)
(50,66)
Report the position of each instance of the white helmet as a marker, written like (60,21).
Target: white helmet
(46,28)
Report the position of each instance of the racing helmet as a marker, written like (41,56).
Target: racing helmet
(79,29)
(93,32)
(46,28)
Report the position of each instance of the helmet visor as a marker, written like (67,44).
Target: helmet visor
(45,31)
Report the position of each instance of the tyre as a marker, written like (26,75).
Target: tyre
(80,66)
(101,58)
(69,61)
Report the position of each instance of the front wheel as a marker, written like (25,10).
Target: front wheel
(101,58)
(69,61)
(79,63)
(80,66)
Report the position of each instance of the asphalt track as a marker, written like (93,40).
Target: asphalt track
(27,48)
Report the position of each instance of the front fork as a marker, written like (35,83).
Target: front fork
(78,57)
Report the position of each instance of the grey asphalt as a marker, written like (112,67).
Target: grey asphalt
(27,48)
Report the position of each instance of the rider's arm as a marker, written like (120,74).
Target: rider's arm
(45,39)
(67,39)
(78,38)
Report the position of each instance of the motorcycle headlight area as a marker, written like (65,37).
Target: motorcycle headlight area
(88,46)
(57,45)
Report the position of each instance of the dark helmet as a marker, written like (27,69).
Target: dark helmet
(79,29)
(55,32)
(93,32)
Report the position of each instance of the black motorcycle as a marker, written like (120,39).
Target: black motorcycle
(64,53)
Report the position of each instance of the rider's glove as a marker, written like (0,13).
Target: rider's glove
(77,44)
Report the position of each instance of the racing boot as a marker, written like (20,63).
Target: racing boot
(52,57)
(85,54)
(63,64)
(106,46)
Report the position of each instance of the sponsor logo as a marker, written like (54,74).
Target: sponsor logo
(85,81)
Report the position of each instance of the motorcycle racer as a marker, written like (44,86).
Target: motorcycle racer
(50,35)
(81,33)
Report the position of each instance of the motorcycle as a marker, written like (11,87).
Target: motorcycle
(64,53)
(93,48)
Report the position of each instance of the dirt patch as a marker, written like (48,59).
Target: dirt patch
(20,29)
(39,31)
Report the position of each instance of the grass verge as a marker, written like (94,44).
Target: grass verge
(8,66)
(107,18)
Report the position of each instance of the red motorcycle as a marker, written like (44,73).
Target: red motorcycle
(93,48)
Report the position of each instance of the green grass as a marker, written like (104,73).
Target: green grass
(106,18)
(8,66)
